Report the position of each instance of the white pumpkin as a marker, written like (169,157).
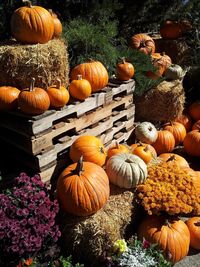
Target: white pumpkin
(146,132)
(174,72)
(126,170)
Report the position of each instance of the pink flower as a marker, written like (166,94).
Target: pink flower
(146,244)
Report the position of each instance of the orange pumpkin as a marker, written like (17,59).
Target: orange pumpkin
(59,96)
(196,125)
(32,24)
(171,234)
(80,88)
(8,97)
(143,42)
(124,70)
(145,145)
(165,142)
(143,152)
(170,30)
(177,129)
(57,24)
(83,188)
(116,149)
(90,147)
(191,143)
(94,72)
(172,157)
(186,120)
(194,110)
(193,225)
(33,100)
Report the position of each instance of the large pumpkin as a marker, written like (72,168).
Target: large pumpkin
(33,100)
(8,97)
(193,225)
(191,143)
(90,147)
(32,24)
(94,72)
(171,234)
(177,129)
(143,42)
(124,70)
(194,110)
(174,158)
(170,30)
(165,142)
(126,170)
(83,188)
(80,88)
(146,132)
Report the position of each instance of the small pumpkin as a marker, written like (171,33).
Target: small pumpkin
(150,148)
(124,70)
(171,234)
(143,42)
(196,125)
(59,96)
(165,142)
(94,72)
(177,129)
(90,147)
(33,100)
(57,24)
(8,97)
(146,132)
(126,170)
(32,24)
(83,188)
(193,225)
(170,30)
(191,143)
(143,152)
(117,149)
(194,110)
(174,158)
(80,88)
(174,72)
(186,120)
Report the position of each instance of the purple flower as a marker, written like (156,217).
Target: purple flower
(146,244)
(19,212)
(31,221)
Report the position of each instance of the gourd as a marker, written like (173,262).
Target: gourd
(94,72)
(90,147)
(174,72)
(8,97)
(126,170)
(124,70)
(146,132)
(171,234)
(59,96)
(83,188)
(32,24)
(80,88)
(33,100)
(117,149)
(177,129)
(143,42)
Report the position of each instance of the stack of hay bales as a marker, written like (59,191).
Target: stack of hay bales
(45,62)
(162,103)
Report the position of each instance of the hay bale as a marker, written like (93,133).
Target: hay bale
(45,62)
(163,103)
(87,238)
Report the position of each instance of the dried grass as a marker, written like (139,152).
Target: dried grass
(162,103)
(87,238)
(45,62)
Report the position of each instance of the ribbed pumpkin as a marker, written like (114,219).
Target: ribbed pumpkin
(90,147)
(174,158)
(193,225)
(196,125)
(94,72)
(83,188)
(126,170)
(144,152)
(191,143)
(57,24)
(170,30)
(80,88)
(171,234)
(32,24)
(186,120)
(194,110)
(150,148)
(59,96)
(177,129)
(165,142)
(33,100)
(8,97)
(146,132)
(174,72)
(143,42)
(117,149)
(124,70)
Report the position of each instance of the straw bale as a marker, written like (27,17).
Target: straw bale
(163,103)
(86,238)
(45,62)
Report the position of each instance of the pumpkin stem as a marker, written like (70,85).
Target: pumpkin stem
(140,143)
(123,60)
(171,158)
(162,53)
(102,150)
(128,161)
(58,83)
(197,223)
(117,144)
(79,77)
(32,84)
(27,3)
(79,166)
(146,148)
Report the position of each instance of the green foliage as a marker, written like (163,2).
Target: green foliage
(65,262)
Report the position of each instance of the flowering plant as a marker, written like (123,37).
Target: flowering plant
(27,217)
